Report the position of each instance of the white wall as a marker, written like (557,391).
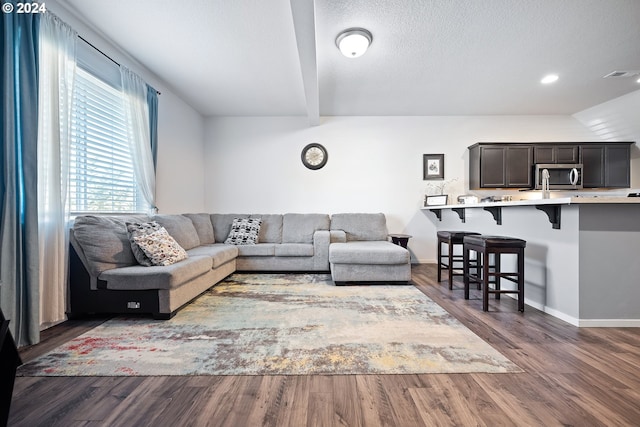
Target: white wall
(375,163)
(617,120)
(180,171)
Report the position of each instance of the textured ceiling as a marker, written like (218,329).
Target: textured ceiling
(439,57)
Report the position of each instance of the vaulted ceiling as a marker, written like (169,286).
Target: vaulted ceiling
(428,57)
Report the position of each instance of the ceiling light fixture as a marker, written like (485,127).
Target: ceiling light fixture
(354,42)
(548,79)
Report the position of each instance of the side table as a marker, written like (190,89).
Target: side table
(400,239)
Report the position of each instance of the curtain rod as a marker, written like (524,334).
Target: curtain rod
(104,54)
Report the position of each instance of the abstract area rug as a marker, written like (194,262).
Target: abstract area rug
(282,324)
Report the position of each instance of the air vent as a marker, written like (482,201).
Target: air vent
(622,74)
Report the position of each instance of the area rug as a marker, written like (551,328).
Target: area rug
(282,324)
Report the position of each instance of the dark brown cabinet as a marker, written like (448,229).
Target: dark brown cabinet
(605,165)
(510,165)
(500,166)
(556,154)
(592,158)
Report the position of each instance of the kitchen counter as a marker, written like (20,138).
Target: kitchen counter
(552,207)
(583,269)
(605,200)
(534,202)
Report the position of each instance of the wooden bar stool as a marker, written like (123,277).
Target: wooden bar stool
(451,238)
(484,246)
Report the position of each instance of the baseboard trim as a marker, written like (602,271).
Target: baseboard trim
(580,323)
(609,323)
(585,323)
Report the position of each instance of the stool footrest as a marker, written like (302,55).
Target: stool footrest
(501,291)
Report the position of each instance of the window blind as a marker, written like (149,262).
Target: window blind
(102,178)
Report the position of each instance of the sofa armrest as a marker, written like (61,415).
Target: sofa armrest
(80,266)
(321,239)
(338,236)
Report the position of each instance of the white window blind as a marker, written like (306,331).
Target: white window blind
(102,178)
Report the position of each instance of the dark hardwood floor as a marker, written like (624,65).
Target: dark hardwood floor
(573,377)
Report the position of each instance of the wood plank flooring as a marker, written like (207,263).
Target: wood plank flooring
(573,377)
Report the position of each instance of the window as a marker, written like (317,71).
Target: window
(102,178)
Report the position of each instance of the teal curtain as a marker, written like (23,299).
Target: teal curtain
(152,101)
(19,292)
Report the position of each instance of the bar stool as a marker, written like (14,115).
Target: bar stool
(484,246)
(451,238)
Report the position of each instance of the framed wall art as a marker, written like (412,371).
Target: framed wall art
(433,165)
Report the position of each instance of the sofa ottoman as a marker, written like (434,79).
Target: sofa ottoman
(360,250)
(369,261)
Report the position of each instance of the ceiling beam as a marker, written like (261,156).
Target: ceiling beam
(303,12)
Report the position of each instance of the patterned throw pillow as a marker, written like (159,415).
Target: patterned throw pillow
(136,229)
(160,247)
(244,231)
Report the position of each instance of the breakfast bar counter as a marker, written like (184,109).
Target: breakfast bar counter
(581,259)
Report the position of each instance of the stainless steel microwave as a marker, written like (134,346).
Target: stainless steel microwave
(566,176)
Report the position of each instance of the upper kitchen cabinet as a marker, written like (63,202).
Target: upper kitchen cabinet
(510,165)
(500,166)
(548,153)
(606,165)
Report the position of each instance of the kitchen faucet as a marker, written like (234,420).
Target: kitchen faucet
(545,183)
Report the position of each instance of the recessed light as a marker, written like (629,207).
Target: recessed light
(638,81)
(550,78)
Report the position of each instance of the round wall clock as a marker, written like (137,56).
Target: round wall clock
(314,156)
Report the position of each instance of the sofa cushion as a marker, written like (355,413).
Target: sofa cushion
(204,228)
(367,252)
(270,228)
(137,229)
(105,242)
(180,228)
(220,253)
(294,249)
(299,228)
(244,231)
(222,225)
(158,277)
(261,249)
(160,247)
(361,226)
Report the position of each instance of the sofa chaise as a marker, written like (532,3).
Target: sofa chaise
(106,275)
(360,250)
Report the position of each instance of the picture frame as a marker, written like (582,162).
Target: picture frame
(433,166)
(438,200)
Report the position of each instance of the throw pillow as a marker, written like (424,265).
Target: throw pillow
(244,231)
(161,248)
(136,229)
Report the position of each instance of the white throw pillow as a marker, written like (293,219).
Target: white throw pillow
(160,247)
(244,231)
(137,229)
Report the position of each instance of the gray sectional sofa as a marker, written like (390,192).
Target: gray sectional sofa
(105,276)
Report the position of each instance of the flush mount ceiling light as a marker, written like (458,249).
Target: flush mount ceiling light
(354,42)
(548,79)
